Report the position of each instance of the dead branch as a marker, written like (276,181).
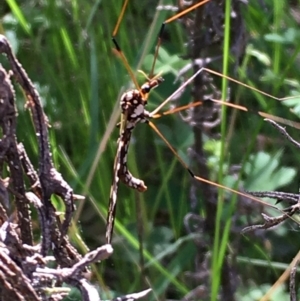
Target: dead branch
(24,264)
(291,198)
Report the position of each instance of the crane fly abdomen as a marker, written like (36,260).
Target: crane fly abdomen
(123,173)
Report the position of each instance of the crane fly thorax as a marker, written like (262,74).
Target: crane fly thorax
(133,103)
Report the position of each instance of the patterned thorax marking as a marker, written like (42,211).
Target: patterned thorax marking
(133,105)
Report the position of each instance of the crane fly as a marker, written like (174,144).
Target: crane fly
(133,110)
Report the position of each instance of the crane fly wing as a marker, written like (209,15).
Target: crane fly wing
(113,197)
(114,187)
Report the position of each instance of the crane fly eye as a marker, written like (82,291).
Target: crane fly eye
(146,88)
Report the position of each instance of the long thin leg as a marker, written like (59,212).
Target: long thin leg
(119,50)
(159,40)
(171,19)
(124,143)
(182,87)
(116,29)
(278,119)
(123,147)
(203,179)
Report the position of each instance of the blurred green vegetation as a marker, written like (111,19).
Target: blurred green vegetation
(66,49)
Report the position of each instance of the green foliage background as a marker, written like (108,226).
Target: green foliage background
(66,48)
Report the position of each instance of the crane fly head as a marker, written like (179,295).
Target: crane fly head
(150,84)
